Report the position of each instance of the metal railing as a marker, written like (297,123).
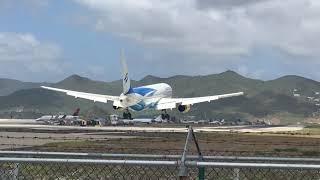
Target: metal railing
(56,168)
(156,156)
(69,165)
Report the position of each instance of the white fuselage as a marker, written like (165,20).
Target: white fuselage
(144,97)
(57,118)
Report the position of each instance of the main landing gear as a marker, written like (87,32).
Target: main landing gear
(127,114)
(165,115)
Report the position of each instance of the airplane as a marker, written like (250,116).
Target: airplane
(155,96)
(60,119)
(217,122)
(115,120)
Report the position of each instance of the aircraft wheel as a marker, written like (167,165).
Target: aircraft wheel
(129,115)
(165,116)
(125,115)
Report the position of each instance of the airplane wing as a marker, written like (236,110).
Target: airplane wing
(170,103)
(84,95)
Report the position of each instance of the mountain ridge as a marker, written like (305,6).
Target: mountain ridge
(263,98)
(148,77)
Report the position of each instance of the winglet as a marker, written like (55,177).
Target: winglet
(125,74)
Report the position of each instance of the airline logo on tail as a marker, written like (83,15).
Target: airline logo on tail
(126,78)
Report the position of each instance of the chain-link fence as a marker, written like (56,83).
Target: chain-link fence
(84,171)
(45,168)
(185,164)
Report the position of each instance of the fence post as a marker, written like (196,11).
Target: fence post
(15,171)
(201,170)
(201,174)
(182,167)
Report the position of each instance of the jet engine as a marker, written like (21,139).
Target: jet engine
(184,108)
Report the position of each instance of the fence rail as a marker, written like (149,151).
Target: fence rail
(57,168)
(68,165)
(155,156)
(164,163)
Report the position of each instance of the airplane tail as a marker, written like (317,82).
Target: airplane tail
(125,75)
(76,113)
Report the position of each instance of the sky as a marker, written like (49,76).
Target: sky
(48,40)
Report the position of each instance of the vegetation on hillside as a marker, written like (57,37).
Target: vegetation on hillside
(263,98)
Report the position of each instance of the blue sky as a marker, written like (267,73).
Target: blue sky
(46,40)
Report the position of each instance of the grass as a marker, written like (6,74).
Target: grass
(311,130)
(313,126)
(67,144)
(220,143)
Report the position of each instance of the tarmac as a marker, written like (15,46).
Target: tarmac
(31,124)
(20,133)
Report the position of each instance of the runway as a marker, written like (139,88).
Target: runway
(18,121)
(164,138)
(31,125)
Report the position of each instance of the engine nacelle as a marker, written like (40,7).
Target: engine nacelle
(117,108)
(184,108)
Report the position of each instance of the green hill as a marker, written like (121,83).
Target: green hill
(287,84)
(263,98)
(8,86)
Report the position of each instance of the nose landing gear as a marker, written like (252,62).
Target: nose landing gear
(127,115)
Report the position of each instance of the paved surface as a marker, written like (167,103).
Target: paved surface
(18,121)
(16,133)
(158,129)
(250,129)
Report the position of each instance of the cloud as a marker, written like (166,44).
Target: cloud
(192,36)
(290,26)
(95,71)
(207,4)
(23,53)
(176,25)
(256,73)
(25,47)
